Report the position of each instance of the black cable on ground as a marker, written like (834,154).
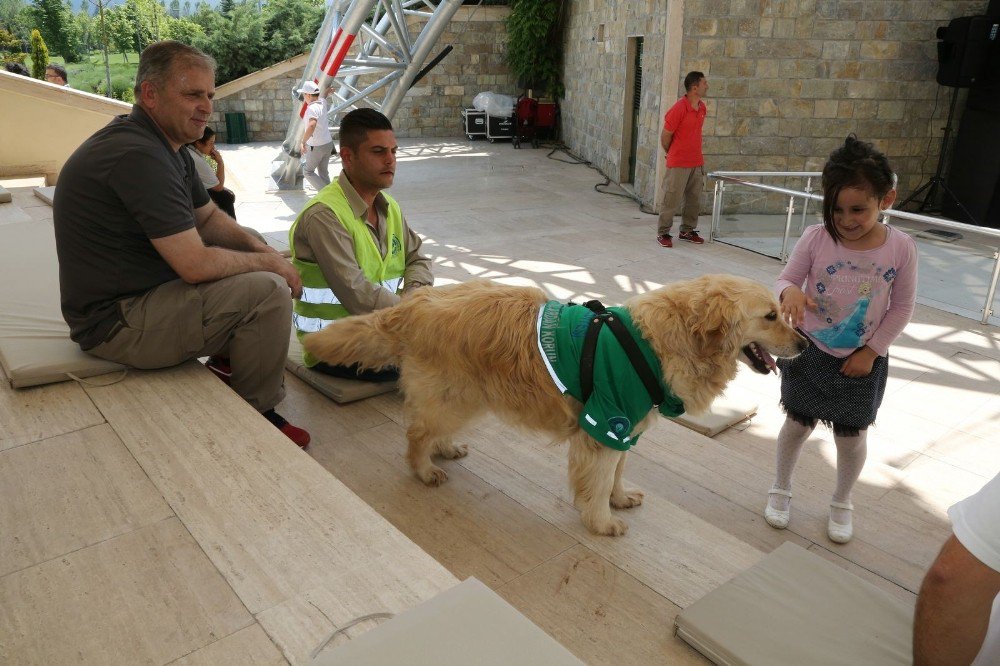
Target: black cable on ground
(561,147)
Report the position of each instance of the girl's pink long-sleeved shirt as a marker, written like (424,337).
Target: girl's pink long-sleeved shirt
(863,297)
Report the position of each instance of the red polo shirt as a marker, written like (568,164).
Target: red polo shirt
(685,122)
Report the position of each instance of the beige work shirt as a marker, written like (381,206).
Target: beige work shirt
(321,238)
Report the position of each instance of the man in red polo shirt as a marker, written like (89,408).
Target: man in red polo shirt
(685,178)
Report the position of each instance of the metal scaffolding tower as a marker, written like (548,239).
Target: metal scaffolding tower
(366,50)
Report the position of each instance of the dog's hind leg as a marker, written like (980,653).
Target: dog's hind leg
(592,477)
(620,497)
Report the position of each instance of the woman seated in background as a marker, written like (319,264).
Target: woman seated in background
(213,179)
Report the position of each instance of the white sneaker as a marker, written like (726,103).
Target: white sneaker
(840,532)
(776,518)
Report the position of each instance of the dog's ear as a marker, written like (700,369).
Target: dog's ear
(716,324)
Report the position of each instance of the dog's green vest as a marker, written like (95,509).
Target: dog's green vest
(619,400)
(318,305)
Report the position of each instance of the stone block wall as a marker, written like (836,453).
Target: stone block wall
(789,79)
(594,73)
(267,106)
(432,108)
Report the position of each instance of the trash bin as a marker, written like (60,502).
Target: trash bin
(236,128)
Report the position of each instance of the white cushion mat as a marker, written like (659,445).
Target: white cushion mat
(732,407)
(466,624)
(46,194)
(35,347)
(335,388)
(794,607)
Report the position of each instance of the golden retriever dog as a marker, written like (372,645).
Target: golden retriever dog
(469,348)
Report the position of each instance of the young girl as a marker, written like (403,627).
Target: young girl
(850,286)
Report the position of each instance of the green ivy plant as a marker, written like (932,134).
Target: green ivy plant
(534,45)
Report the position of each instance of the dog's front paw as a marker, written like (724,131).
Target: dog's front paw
(607,527)
(453,452)
(627,499)
(433,476)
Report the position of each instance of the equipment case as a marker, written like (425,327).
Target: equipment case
(475,123)
(499,127)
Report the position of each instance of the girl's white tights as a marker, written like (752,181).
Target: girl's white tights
(790,440)
(851,455)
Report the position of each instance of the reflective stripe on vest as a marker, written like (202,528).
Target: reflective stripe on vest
(326,296)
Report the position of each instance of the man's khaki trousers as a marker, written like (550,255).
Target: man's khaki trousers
(681,185)
(245,317)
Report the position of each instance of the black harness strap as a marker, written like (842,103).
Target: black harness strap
(629,346)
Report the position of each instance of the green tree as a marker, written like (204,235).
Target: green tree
(184,31)
(534,44)
(292,26)
(147,16)
(39,55)
(237,44)
(209,19)
(120,30)
(102,29)
(10,48)
(21,20)
(9,10)
(226,7)
(55,23)
(84,31)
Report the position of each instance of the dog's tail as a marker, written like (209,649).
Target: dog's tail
(369,340)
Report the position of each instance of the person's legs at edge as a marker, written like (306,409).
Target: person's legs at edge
(318,157)
(354,371)
(674,182)
(324,162)
(245,317)
(692,199)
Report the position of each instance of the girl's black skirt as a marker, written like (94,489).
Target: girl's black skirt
(812,389)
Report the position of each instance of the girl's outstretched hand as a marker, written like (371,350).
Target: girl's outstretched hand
(859,363)
(794,304)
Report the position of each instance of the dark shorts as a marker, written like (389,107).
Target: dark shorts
(813,389)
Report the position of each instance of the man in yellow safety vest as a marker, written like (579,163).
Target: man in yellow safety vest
(351,245)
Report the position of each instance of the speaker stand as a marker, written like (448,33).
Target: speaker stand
(937,183)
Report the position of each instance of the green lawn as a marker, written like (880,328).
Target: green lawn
(88,75)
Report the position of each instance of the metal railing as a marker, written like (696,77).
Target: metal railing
(722,178)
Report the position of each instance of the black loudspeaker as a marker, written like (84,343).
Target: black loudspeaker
(964,48)
(974,178)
